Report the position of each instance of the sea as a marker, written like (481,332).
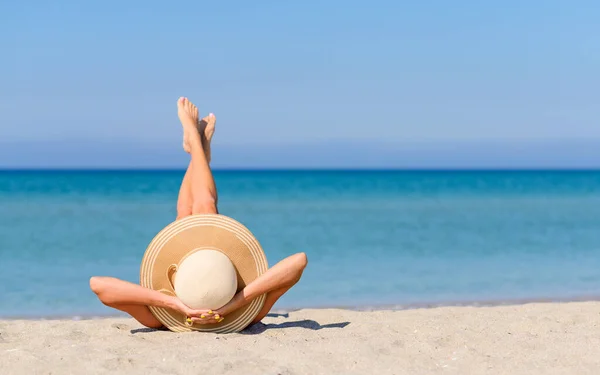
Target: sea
(374,239)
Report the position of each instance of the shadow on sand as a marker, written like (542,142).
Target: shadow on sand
(278,315)
(259,328)
(146,330)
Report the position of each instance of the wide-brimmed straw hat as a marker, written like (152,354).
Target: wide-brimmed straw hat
(204,260)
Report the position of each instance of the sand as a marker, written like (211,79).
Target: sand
(548,338)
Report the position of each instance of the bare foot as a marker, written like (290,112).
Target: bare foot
(206,128)
(188,115)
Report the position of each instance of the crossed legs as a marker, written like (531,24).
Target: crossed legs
(198,195)
(188,202)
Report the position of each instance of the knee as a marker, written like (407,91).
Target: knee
(205,205)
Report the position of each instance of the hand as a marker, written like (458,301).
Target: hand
(198,316)
(204,317)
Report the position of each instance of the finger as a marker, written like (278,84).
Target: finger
(206,319)
(203,321)
(194,317)
(201,313)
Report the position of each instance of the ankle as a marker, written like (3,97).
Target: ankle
(195,143)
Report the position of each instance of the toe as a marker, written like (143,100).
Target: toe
(211,119)
(180,102)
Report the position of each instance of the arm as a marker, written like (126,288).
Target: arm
(115,292)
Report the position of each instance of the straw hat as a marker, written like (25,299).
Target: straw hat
(204,260)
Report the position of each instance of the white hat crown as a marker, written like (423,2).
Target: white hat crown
(205,279)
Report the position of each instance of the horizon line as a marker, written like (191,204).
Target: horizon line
(300,169)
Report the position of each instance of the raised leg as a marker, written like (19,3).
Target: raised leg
(201,182)
(206,129)
(184,200)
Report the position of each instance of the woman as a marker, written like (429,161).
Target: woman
(198,195)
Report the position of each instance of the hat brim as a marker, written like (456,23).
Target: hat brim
(195,233)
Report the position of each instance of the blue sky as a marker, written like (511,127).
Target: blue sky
(351,74)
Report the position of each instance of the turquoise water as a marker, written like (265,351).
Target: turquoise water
(372,238)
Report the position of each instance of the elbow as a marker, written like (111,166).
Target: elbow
(96,284)
(301,261)
(297,265)
(99,285)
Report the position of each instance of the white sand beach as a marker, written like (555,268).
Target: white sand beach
(552,338)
